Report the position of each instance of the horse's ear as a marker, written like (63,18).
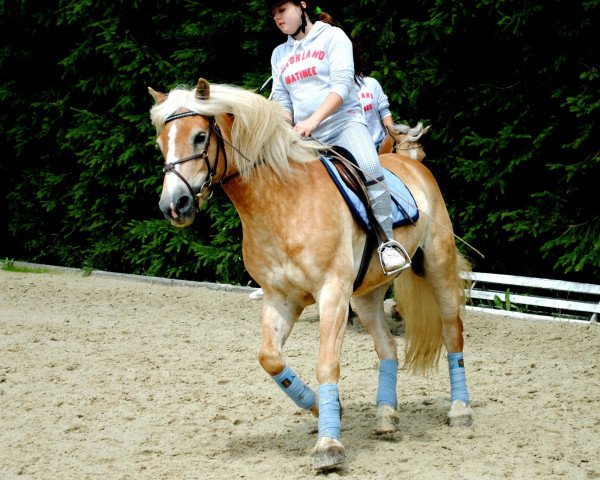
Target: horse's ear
(202,89)
(426,129)
(157,96)
(393,132)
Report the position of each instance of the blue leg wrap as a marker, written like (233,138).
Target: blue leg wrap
(330,424)
(388,375)
(295,388)
(458,380)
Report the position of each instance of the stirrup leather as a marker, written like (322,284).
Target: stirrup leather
(403,252)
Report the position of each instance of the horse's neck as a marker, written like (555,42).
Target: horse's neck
(225,122)
(264,212)
(269,201)
(255,198)
(387,145)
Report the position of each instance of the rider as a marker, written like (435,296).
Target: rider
(315,81)
(376,108)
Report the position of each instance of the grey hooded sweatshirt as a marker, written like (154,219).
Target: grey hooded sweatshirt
(305,71)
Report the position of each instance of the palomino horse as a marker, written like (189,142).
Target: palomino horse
(302,245)
(404,140)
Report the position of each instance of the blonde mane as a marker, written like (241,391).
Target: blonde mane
(259,132)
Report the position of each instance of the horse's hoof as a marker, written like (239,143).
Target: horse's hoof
(386,420)
(328,454)
(460,414)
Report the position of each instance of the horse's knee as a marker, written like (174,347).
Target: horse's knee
(271,361)
(328,371)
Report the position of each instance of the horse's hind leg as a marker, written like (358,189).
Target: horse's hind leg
(448,289)
(430,303)
(278,317)
(372,315)
(460,414)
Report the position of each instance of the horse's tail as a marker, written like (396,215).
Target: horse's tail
(419,309)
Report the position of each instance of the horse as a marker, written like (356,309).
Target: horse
(404,140)
(302,246)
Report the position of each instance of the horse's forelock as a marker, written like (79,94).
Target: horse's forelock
(417,130)
(177,99)
(400,128)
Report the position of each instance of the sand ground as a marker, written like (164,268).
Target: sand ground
(115,379)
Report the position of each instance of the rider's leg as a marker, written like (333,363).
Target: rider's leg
(355,138)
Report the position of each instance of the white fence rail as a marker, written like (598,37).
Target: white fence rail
(543,298)
(486,287)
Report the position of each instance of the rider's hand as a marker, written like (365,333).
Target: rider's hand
(306,127)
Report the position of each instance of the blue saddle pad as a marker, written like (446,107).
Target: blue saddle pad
(404,207)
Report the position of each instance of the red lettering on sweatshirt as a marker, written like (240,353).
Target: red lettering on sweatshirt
(299,75)
(307,54)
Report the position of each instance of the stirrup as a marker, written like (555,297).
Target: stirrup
(403,252)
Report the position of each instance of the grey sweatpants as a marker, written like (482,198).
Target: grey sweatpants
(355,138)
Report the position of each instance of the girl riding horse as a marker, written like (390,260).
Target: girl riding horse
(302,244)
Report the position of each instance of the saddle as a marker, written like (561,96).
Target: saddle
(351,183)
(351,177)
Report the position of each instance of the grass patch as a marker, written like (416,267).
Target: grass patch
(9,266)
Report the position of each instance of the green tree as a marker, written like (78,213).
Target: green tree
(510,88)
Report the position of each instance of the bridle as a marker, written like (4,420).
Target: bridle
(206,190)
(406,140)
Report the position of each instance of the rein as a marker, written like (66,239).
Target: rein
(206,190)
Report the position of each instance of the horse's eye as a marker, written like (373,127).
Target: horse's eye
(199,138)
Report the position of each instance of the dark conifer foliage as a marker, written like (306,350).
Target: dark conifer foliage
(510,89)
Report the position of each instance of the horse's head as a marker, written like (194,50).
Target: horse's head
(194,126)
(404,140)
(191,145)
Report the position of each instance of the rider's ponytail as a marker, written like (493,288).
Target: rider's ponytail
(356,48)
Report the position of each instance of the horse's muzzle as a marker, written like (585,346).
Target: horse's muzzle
(179,210)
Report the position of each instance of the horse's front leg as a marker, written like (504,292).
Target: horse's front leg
(278,317)
(333,311)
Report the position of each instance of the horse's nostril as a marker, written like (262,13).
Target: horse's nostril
(183,203)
